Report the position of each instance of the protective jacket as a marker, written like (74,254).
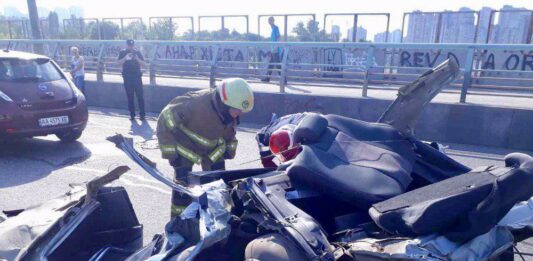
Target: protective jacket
(197,127)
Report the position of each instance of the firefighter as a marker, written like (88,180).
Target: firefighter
(199,128)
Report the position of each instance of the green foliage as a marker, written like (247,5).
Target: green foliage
(220,35)
(109,31)
(72,28)
(90,30)
(134,30)
(309,32)
(19,29)
(53,25)
(4,30)
(162,30)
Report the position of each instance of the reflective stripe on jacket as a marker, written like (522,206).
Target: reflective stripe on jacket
(192,127)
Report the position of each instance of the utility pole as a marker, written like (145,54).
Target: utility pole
(34,20)
(34,23)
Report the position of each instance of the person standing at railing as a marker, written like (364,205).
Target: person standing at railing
(77,68)
(275,52)
(131,61)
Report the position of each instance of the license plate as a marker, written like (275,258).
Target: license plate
(53,121)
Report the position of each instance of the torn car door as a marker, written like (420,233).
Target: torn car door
(413,97)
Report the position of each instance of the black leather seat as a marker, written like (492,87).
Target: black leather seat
(353,161)
(460,207)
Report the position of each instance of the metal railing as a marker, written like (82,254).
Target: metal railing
(223,19)
(439,26)
(476,30)
(356,21)
(529,35)
(285,21)
(18,28)
(81,26)
(349,65)
(171,20)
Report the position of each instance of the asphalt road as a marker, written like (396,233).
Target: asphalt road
(39,169)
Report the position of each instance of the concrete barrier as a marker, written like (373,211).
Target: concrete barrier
(451,123)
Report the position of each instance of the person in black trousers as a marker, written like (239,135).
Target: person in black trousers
(131,61)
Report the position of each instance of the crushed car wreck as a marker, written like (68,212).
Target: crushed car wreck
(355,191)
(74,226)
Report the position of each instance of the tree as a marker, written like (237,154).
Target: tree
(162,30)
(109,31)
(234,35)
(134,30)
(19,29)
(4,29)
(255,37)
(310,32)
(72,28)
(90,30)
(189,35)
(220,35)
(53,25)
(302,34)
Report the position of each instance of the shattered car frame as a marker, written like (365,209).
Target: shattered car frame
(73,226)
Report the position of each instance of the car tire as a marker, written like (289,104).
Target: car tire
(69,136)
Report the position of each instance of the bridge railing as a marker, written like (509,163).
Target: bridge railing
(349,65)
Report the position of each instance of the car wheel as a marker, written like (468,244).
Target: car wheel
(69,136)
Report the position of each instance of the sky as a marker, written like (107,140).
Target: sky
(145,9)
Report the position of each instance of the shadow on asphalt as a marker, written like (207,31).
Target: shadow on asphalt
(113,112)
(143,130)
(290,87)
(50,153)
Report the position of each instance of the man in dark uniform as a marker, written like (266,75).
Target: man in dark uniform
(131,61)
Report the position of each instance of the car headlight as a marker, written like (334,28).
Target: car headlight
(5,97)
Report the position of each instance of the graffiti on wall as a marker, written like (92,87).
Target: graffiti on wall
(357,58)
(512,61)
(204,53)
(487,60)
(302,55)
(331,58)
(429,58)
(309,61)
(178,52)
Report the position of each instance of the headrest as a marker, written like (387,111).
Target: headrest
(518,160)
(310,128)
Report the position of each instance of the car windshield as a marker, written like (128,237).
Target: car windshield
(40,70)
